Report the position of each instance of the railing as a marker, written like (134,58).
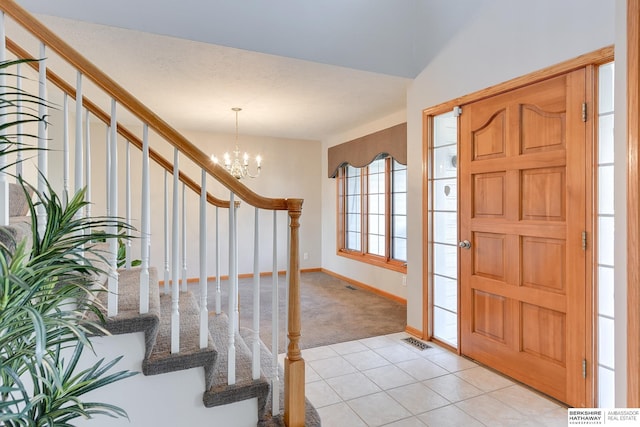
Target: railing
(188,160)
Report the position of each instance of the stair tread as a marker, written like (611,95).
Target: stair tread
(129,318)
(245,387)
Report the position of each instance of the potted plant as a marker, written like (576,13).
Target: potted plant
(47,286)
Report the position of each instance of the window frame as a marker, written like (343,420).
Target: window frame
(363,255)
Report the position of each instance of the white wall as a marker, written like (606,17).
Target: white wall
(502,40)
(381,278)
(291,169)
(172,399)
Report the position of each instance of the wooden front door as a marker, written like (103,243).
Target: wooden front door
(523,212)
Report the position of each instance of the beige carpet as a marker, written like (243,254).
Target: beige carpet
(332,310)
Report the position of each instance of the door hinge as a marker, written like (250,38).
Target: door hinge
(584,240)
(457,111)
(584,368)
(584,111)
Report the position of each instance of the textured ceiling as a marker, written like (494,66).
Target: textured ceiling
(299,69)
(193,85)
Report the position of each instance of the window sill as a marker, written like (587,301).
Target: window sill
(377,261)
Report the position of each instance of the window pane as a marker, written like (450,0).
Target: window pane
(377,166)
(399,226)
(606,343)
(399,251)
(605,139)
(606,386)
(374,204)
(353,222)
(445,326)
(445,260)
(605,291)
(445,197)
(376,245)
(399,178)
(375,181)
(605,88)
(353,241)
(445,129)
(445,162)
(605,190)
(605,240)
(445,227)
(445,293)
(399,204)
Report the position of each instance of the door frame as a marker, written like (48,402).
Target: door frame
(633,202)
(588,61)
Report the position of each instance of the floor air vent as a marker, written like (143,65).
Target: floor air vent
(350,287)
(416,343)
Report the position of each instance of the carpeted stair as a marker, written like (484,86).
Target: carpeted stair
(156,325)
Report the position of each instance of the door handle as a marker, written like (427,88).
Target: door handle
(465,244)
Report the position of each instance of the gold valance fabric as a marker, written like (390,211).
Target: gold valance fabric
(362,151)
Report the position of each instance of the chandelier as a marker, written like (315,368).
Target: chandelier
(238,166)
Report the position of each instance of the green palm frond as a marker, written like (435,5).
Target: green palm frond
(46,292)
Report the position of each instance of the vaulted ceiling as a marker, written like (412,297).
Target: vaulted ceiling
(300,69)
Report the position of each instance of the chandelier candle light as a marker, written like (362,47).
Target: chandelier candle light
(238,167)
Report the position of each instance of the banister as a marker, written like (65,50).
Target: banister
(102,115)
(131,103)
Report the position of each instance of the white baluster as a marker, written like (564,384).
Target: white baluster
(4,183)
(167,275)
(78,162)
(127,256)
(112,307)
(175,260)
(236,307)
(275,327)
(87,150)
(108,169)
(256,297)
(218,290)
(233,293)
(20,127)
(43,158)
(184,238)
(146,223)
(65,149)
(204,314)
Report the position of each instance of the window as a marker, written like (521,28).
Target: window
(372,212)
(443,219)
(605,249)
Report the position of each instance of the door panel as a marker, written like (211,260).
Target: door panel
(523,208)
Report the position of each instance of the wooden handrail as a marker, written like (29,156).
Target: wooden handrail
(294,381)
(141,111)
(105,118)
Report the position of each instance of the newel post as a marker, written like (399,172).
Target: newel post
(294,394)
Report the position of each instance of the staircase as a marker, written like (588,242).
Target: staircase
(178,331)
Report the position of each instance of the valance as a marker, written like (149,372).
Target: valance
(362,151)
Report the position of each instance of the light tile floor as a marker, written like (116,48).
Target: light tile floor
(383,381)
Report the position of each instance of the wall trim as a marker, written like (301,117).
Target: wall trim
(245,275)
(414,331)
(366,287)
